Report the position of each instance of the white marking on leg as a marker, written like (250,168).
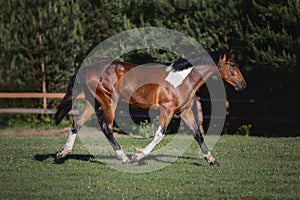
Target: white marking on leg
(68,147)
(175,78)
(158,137)
(122,156)
(210,159)
(71,140)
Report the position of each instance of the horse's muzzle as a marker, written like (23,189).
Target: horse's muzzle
(241,86)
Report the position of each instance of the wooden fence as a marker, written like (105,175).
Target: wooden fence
(32,95)
(276,118)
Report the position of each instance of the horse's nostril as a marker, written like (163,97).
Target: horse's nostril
(241,86)
(244,85)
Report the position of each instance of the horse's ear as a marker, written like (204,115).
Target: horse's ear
(225,54)
(223,57)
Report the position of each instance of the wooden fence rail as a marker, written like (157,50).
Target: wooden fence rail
(239,104)
(32,95)
(268,117)
(29,95)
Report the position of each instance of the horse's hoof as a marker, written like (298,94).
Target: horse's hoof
(137,157)
(61,153)
(58,156)
(126,162)
(214,164)
(211,160)
(134,159)
(121,156)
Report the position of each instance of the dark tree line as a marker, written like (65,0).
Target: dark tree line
(263,35)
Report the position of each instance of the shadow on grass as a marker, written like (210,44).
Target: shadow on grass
(81,157)
(97,159)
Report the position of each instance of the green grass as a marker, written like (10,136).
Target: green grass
(32,121)
(251,168)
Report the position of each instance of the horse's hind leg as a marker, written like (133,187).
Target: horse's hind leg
(189,119)
(106,120)
(200,115)
(76,125)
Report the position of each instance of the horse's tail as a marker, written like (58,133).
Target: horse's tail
(66,104)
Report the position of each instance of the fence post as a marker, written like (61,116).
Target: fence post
(42,63)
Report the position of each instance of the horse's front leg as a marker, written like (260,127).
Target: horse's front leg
(164,120)
(141,153)
(189,119)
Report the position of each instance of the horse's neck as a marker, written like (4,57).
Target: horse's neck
(201,75)
(197,77)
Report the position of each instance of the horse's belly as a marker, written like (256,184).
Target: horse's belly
(144,97)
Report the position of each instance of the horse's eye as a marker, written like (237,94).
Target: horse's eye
(231,64)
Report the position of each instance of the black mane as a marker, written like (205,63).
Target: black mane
(209,58)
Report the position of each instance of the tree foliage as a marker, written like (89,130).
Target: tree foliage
(272,35)
(39,32)
(60,33)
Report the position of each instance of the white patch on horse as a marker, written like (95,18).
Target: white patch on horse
(141,153)
(68,147)
(175,78)
(122,156)
(157,138)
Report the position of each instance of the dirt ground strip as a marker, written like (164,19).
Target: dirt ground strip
(49,133)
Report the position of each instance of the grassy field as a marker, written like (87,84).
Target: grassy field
(251,168)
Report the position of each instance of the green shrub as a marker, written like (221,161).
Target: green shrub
(244,130)
(147,129)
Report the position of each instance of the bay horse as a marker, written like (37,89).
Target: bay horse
(170,89)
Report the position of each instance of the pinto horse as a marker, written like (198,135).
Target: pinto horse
(168,88)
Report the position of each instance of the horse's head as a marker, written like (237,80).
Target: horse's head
(230,72)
